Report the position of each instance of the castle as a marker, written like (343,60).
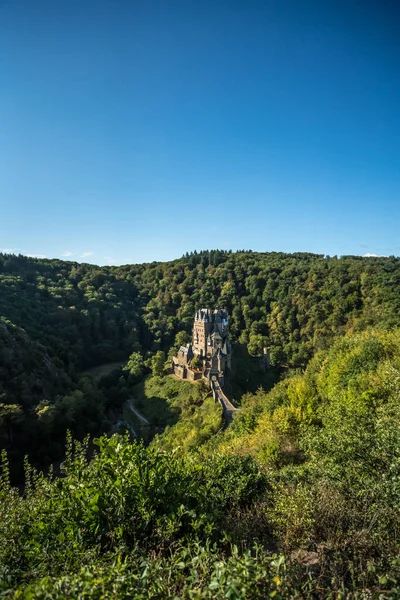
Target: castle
(210,346)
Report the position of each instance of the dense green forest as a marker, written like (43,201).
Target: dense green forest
(299,497)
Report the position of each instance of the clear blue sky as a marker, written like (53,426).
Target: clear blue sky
(134,131)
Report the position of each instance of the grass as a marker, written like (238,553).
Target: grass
(186,411)
(162,399)
(196,425)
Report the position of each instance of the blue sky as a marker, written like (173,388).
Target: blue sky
(133,131)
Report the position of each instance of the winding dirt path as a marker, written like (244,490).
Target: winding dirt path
(135,411)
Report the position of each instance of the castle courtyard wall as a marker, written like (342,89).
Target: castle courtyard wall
(194,375)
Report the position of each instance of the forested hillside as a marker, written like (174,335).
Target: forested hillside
(299,497)
(295,303)
(59,318)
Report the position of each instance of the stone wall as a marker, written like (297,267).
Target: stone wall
(200,330)
(180,371)
(194,375)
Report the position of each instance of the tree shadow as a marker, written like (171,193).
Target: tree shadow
(158,411)
(248,374)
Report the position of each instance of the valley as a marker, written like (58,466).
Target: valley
(289,466)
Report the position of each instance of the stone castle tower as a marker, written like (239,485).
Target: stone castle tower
(210,343)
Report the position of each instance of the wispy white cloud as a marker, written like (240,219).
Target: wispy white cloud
(86,254)
(67,253)
(23,252)
(110,261)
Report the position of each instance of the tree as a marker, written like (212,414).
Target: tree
(181,339)
(11,416)
(134,366)
(277,355)
(196,363)
(158,363)
(256,344)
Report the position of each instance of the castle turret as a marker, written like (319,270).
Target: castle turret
(210,342)
(266,359)
(200,334)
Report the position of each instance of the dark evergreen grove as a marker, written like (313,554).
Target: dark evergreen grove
(299,497)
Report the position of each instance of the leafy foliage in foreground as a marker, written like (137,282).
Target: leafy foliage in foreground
(128,498)
(192,572)
(140,523)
